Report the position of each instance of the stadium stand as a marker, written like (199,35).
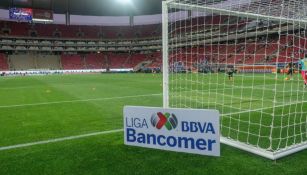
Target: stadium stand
(34,61)
(75,31)
(22,62)
(156,59)
(95,61)
(102,47)
(3,63)
(72,62)
(134,60)
(51,62)
(117,60)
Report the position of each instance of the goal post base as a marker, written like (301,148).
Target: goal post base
(290,150)
(248,148)
(262,152)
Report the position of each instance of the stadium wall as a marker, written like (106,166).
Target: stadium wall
(34,61)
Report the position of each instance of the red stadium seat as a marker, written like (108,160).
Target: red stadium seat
(4,66)
(72,62)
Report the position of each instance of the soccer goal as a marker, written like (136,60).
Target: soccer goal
(241,58)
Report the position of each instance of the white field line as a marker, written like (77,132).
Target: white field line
(107,98)
(40,87)
(33,87)
(22,87)
(260,109)
(93,99)
(59,139)
(108,132)
(81,100)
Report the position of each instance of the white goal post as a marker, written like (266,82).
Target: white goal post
(243,58)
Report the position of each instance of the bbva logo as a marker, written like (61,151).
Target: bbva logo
(158,120)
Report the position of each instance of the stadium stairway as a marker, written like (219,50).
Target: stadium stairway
(141,65)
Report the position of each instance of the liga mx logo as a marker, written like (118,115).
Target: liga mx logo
(158,120)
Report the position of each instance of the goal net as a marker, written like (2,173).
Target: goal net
(243,58)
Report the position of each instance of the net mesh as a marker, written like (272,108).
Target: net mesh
(222,57)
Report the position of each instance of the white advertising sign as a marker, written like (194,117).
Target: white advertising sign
(195,131)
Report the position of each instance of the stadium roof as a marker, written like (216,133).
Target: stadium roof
(287,9)
(90,7)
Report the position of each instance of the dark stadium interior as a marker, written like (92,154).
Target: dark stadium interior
(224,83)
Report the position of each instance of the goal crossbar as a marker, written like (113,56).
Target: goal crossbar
(192,7)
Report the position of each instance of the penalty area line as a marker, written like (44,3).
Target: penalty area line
(59,139)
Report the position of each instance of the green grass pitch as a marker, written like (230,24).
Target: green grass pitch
(41,108)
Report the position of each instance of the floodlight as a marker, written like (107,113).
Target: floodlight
(124,1)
